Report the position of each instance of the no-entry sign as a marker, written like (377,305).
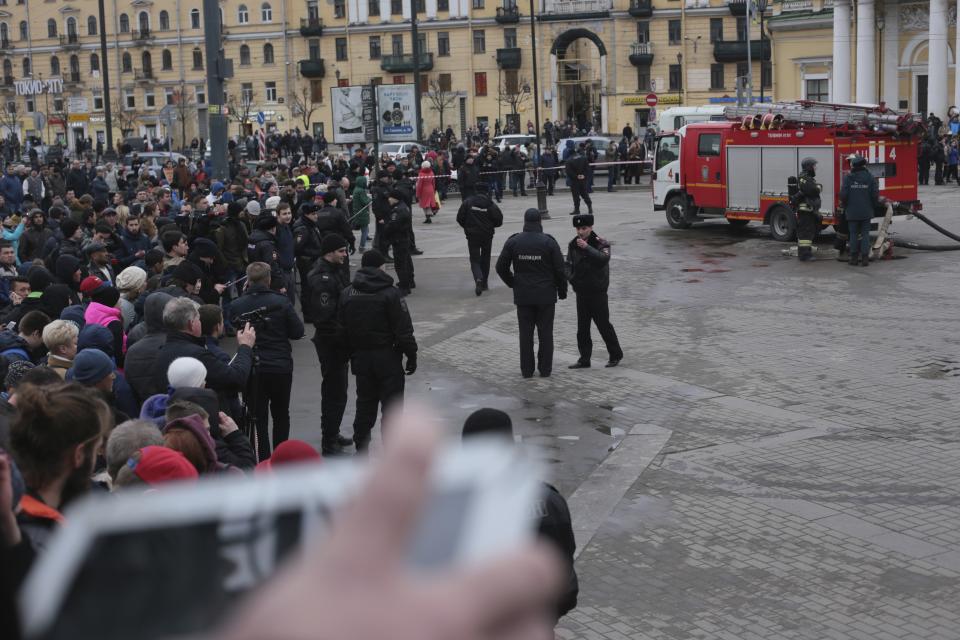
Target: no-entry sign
(652,100)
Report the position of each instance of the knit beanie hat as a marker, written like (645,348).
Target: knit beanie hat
(331,242)
(90,366)
(131,279)
(186,372)
(15,373)
(372,258)
(488,421)
(160,464)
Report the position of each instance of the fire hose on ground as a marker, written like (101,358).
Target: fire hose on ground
(906,244)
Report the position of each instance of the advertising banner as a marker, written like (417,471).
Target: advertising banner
(347,114)
(397,112)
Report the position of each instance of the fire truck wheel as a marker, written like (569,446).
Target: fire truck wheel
(783,224)
(676,213)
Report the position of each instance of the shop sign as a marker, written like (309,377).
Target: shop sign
(38,87)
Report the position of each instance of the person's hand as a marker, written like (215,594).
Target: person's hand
(352,249)
(247,336)
(562,295)
(227,425)
(581,243)
(9,531)
(580,177)
(356,585)
(140,253)
(411,365)
(15,298)
(220,288)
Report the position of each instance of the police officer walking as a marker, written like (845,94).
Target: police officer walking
(860,196)
(588,263)
(531,264)
(578,171)
(808,206)
(328,278)
(479,216)
(378,332)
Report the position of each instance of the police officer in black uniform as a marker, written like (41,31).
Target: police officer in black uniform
(578,172)
(588,263)
(327,280)
(380,205)
(275,367)
(377,330)
(398,225)
(262,247)
(479,216)
(531,264)
(306,249)
(808,206)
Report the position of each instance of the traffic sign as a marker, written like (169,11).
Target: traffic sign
(261,119)
(652,100)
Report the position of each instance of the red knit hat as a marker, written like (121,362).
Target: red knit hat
(287,452)
(90,284)
(159,464)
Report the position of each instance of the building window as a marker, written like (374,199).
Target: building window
(341,48)
(443,5)
(674,33)
(24,30)
(509,38)
(246,92)
(168,96)
(479,41)
(124,23)
(817,89)
(201,92)
(676,78)
(375,48)
(149,99)
(480,83)
(445,81)
(243,16)
(54,66)
(443,43)
(376,82)
(164,21)
(144,21)
(396,45)
(742,29)
(266,12)
(30,105)
(197,58)
(316,90)
(270,91)
(94,62)
(91,26)
(26,67)
(313,49)
(129,99)
(313,10)
(195,18)
(343,82)
(421,43)
(424,83)
(396,7)
(339,8)
(766,74)
(166,60)
(643,31)
(51,28)
(716,76)
(58,104)
(643,79)
(716,29)
(399,79)
(268,53)
(146,62)
(420,6)
(97,100)
(373,8)
(478,4)
(743,70)
(244,55)
(126,63)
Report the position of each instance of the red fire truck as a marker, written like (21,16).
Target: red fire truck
(739,169)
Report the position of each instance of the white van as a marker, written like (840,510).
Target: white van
(675,117)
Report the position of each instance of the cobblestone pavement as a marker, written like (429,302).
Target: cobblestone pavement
(775,458)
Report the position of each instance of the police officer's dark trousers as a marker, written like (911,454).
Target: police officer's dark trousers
(578,189)
(593,307)
(333,388)
(479,249)
(403,264)
(807,223)
(273,399)
(539,316)
(304,265)
(380,382)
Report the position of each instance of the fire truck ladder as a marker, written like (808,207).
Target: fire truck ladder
(826,114)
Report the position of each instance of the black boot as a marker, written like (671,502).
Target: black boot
(865,261)
(478,289)
(854,259)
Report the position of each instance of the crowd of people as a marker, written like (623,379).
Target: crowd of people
(939,151)
(118,282)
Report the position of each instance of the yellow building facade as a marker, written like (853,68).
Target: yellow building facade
(598,60)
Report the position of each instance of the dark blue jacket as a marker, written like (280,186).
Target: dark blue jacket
(285,244)
(859,194)
(282,325)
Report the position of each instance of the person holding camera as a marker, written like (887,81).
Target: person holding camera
(274,372)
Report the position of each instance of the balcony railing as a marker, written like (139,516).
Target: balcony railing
(737,7)
(141,35)
(312,68)
(70,41)
(311,27)
(7,83)
(736,50)
(509,58)
(405,63)
(72,79)
(508,15)
(143,75)
(641,8)
(555,10)
(641,54)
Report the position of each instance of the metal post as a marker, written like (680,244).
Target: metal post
(541,186)
(749,58)
(416,68)
(110,154)
(215,98)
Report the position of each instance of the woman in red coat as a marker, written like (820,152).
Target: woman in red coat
(426,191)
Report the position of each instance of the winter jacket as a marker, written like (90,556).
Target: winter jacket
(531,264)
(142,354)
(360,205)
(13,347)
(33,241)
(426,189)
(332,220)
(589,268)
(220,377)
(11,188)
(479,216)
(327,281)
(285,246)
(859,194)
(232,237)
(373,315)
(13,235)
(282,325)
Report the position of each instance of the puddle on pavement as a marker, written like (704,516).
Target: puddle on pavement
(937,370)
(718,254)
(613,432)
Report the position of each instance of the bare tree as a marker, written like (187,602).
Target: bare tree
(514,95)
(10,116)
(125,116)
(60,110)
(440,100)
(185,106)
(241,106)
(304,106)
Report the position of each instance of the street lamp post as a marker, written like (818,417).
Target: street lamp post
(761,7)
(110,153)
(680,84)
(881,22)
(541,186)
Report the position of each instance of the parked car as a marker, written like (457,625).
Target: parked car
(399,150)
(513,139)
(154,159)
(600,143)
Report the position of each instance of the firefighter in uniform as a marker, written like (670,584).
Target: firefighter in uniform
(588,264)
(328,278)
(860,195)
(808,206)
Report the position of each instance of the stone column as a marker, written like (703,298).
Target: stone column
(554,87)
(956,64)
(891,54)
(431,9)
(866,52)
(937,59)
(840,78)
(604,113)
(407,8)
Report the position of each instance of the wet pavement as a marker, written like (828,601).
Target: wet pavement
(776,457)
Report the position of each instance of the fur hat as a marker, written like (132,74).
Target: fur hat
(583,220)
